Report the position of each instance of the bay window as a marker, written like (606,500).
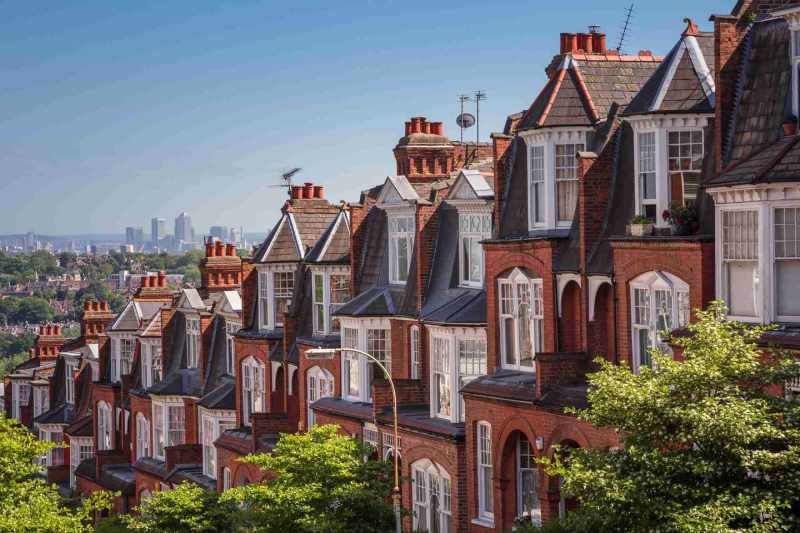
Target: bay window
(252,389)
(41,400)
(212,425)
(521,320)
(104,426)
(230,347)
(142,436)
(275,290)
(151,362)
(536,193)
(648,199)
(320,385)
(20,397)
(473,228)
(401,246)
(80,449)
(54,456)
(70,367)
(432,498)
(566,172)
(169,425)
(192,342)
(331,290)
(685,161)
(485,471)
(740,256)
(787,263)
(659,304)
(371,336)
(458,355)
(121,356)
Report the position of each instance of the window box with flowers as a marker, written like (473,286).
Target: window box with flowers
(640,226)
(682,218)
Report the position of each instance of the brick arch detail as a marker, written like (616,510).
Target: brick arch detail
(516,423)
(521,260)
(567,431)
(252,472)
(424,451)
(633,269)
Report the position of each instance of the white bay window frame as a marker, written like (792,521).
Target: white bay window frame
(431,491)
(41,399)
(253,399)
(659,302)
(458,355)
(213,422)
(326,289)
(168,422)
(485,473)
(54,434)
(521,318)
(231,328)
(80,449)
(474,226)
(272,289)
(401,235)
(105,426)
(320,383)
(541,180)
(660,127)
(192,341)
(143,448)
(71,365)
(357,370)
(20,397)
(122,346)
(150,351)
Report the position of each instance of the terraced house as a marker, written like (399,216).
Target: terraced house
(486,278)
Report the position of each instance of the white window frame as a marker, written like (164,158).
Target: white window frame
(567,163)
(641,202)
(168,405)
(414,348)
(362,365)
(70,367)
(230,346)
(253,399)
(451,341)
(41,399)
(226,478)
(485,473)
(319,384)
(645,316)
(535,514)
(473,227)
(121,360)
(429,479)
(80,449)
(776,257)
(725,258)
(323,309)
(516,281)
(151,361)
(212,424)
(192,342)
(55,434)
(20,397)
(105,427)
(541,145)
(395,235)
(142,436)
(267,294)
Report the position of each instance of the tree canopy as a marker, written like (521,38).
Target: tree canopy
(706,444)
(27,502)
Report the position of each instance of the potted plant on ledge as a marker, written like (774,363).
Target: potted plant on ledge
(640,226)
(683,219)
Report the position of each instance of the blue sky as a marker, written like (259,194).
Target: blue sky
(114,112)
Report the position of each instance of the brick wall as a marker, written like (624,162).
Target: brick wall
(183,454)
(331,365)
(249,291)
(409,392)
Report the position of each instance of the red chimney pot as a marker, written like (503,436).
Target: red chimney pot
(308,190)
(319,191)
(230,250)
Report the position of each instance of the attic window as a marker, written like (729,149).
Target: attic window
(796,73)
(473,228)
(192,342)
(401,244)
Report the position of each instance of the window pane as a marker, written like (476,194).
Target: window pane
(741,288)
(788,287)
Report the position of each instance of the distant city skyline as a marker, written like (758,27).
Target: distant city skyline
(117,112)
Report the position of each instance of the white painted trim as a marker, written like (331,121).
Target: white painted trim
(297,240)
(273,239)
(701,67)
(561,282)
(595,282)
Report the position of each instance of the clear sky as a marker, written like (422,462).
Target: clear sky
(112,112)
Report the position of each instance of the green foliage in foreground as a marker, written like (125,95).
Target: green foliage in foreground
(28,503)
(319,483)
(705,448)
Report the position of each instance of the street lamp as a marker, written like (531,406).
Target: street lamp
(330,353)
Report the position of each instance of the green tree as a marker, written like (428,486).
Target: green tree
(321,484)
(187,508)
(705,446)
(98,291)
(27,502)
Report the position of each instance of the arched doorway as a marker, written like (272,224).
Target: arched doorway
(601,327)
(278,387)
(570,332)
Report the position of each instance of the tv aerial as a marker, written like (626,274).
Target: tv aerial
(286,178)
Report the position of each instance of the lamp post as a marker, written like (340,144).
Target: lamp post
(329,353)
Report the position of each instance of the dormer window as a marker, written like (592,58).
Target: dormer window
(401,246)
(275,290)
(252,389)
(70,367)
(331,290)
(473,228)
(230,347)
(151,362)
(795,51)
(192,342)
(566,181)
(121,356)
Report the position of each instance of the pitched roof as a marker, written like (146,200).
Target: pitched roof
(397,189)
(582,88)
(334,245)
(683,83)
(136,313)
(470,184)
(301,225)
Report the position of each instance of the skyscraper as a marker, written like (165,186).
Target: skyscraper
(158,230)
(134,236)
(220,232)
(183,228)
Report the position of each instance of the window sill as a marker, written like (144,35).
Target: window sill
(483,522)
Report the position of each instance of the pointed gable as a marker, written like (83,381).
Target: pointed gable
(470,185)
(397,190)
(334,245)
(283,243)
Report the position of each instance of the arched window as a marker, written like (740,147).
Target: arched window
(521,319)
(659,303)
(252,388)
(320,385)
(142,436)
(104,425)
(484,462)
(431,489)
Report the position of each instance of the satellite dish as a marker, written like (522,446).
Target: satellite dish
(465,120)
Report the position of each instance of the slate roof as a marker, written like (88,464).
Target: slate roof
(178,380)
(504,384)
(301,225)
(758,152)
(677,84)
(581,88)
(82,427)
(418,417)
(337,406)
(136,313)
(62,413)
(334,245)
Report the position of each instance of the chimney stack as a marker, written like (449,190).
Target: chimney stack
(162,279)
(408,128)
(308,190)
(87,304)
(593,42)
(230,250)
(218,248)
(209,248)
(437,128)
(416,124)
(319,192)
(105,306)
